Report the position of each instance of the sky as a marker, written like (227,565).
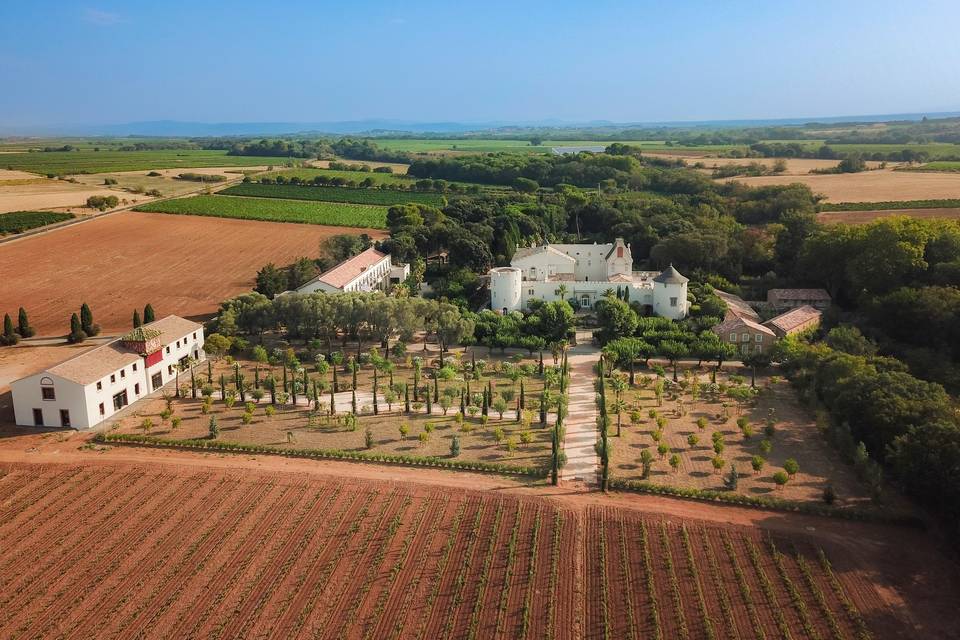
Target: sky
(102,62)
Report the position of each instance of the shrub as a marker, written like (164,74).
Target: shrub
(781,478)
(455,447)
(368,438)
(757,463)
(791,467)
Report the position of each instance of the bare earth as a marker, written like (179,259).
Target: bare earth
(277,571)
(863,217)
(881,185)
(181,264)
(50,194)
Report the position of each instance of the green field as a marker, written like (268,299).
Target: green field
(890,205)
(273,210)
(946,166)
(70,162)
(332,194)
(20,221)
(307,174)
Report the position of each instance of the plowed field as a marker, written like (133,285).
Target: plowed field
(184,265)
(162,552)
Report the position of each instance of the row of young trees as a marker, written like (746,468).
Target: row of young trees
(82,326)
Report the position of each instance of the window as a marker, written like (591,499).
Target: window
(178,344)
(103,411)
(530,291)
(64,418)
(746,337)
(168,349)
(733,337)
(99,385)
(38,417)
(194,335)
(673,302)
(619,252)
(134,366)
(47,393)
(758,348)
(169,369)
(123,373)
(759,337)
(136,388)
(113,378)
(120,400)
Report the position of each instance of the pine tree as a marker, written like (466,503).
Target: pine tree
(148,314)
(23,324)
(136,319)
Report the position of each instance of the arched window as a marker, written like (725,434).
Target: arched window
(47,391)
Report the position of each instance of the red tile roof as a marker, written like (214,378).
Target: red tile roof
(787,322)
(351,268)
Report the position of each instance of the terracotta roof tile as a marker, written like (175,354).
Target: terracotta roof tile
(350,269)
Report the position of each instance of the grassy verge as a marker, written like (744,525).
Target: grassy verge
(333,194)
(335,454)
(274,210)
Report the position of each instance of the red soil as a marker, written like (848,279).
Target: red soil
(202,548)
(184,265)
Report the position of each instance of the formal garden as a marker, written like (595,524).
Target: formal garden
(721,430)
(498,410)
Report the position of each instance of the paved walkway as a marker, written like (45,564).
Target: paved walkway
(581,427)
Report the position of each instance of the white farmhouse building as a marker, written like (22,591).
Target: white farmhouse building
(89,388)
(584,272)
(369,270)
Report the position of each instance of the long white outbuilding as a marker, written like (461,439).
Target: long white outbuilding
(89,388)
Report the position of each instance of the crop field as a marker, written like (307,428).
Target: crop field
(943,165)
(71,162)
(309,173)
(872,186)
(865,216)
(20,221)
(382,197)
(274,210)
(231,553)
(116,264)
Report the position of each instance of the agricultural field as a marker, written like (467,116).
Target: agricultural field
(431,425)
(233,552)
(381,197)
(20,221)
(952,166)
(865,216)
(41,194)
(871,186)
(75,162)
(273,210)
(116,264)
(688,418)
(308,173)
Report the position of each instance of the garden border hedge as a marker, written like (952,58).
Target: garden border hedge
(762,502)
(334,454)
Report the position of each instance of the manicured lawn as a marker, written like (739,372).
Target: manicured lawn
(275,210)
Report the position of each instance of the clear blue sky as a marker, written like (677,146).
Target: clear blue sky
(109,62)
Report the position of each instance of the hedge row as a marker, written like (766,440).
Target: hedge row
(763,502)
(337,454)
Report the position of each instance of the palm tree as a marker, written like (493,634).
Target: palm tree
(561,291)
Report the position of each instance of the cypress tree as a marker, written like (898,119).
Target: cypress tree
(236,374)
(76,331)
(354,365)
(353,401)
(543,408)
(272,383)
(256,378)
(334,377)
(10,337)
(486,403)
(23,324)
(316,396)
(86,321)
(223,387)
(406,397)
(241,389)
(306,381)
(463,404)
(436,389)
(540,364)
(554,457)
(376,410)
(285,382)
(429,403)
(293,391)
(209,372)
(333,399)
(136,319)
(523,396)
(148,314)
(193,384)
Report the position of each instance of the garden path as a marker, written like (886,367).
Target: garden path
(581,427)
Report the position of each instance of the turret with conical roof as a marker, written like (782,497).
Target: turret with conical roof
(670,294)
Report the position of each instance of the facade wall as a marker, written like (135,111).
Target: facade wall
(83,401)
(376,277)
(670,300)
(591,264)
(756,341)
